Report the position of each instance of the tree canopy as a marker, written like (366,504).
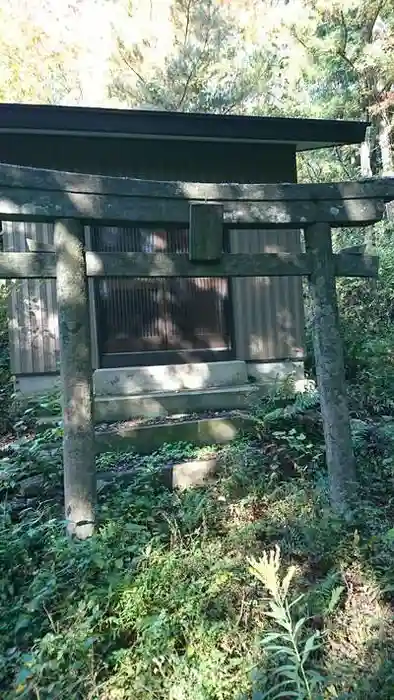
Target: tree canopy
(318,58)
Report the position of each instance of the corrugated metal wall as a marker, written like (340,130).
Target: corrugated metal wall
(33,309)
(170,315)
(33,319)
(268,311)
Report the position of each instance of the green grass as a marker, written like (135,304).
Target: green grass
(162,603)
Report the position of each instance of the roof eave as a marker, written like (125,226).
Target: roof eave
(305,134)
(298,145)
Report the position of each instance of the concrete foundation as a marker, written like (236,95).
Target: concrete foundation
(129,381)
(158,404)
(267,373)
(147,438)
(130,392)
(182,476)
(28,385)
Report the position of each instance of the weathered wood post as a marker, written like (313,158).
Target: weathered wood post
(76,376)
(330,369)
(205,232)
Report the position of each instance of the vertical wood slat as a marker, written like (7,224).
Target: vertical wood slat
(34,303)
(20,346)
(50,340)
(268,311)
(34,343)
(205,232)
(77,378)
(161,310)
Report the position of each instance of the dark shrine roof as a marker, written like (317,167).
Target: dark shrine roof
(304,134)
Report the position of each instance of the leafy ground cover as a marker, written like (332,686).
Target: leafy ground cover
(248,588)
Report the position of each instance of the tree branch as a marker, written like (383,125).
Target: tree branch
(338,155)
(313,172)
(300,41)
(342,50)
(188,11)
(130,66)
(370,26)
(345,34)
(193,71)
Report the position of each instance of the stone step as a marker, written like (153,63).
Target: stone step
(129,381)
(119,408)
(146,438)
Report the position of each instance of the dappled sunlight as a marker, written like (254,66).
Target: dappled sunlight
(257,345)
(161,602)
(177,377)
(156,263)
(84,204)
(191,597)
(285,329)
(78,410)
(222,430)
(370,209)
(363,629)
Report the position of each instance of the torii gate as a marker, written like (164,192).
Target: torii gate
(71,201)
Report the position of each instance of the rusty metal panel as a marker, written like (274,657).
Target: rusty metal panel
(268,311)
(33,324)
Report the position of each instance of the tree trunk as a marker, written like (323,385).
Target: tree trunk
(386,155)
(330,369)
(366,155)
(76,374)
(368,166)
(386,152)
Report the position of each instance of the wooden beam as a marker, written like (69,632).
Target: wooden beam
(206,232)
(179,265)
(230,265)
(33,205)
(42,265)
(27,265)
(350,265)
(15,176)
(76,375)
(330,368)
(355,250)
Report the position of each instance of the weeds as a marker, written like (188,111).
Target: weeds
(180,595)
(294,674)
(161,602)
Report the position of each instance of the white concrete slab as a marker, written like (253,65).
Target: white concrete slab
(267,373)
(154,405)
(129,381)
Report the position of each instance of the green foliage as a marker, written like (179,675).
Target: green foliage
(5,373)
(168,453)
(290,645)
(211,64)
(160,602)
(149,602)
(366,314)
(290,419)
(38,64)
